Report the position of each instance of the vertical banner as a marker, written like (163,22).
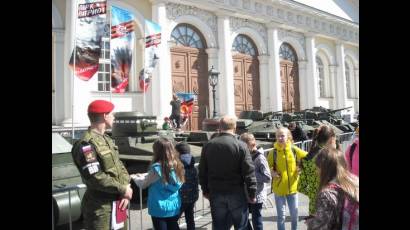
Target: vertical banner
(152,40)
(122,45)
(90,23)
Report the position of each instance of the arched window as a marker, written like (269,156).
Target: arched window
(244,44)
(321,76)
(286,52)
(347,74)
(186,35)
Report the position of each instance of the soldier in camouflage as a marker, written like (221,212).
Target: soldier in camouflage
(107,180)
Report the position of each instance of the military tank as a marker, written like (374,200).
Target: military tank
(134,133)
(65,174)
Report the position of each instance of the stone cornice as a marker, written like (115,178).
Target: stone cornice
(286,13)
(175,10)
(237,23)
(155,2)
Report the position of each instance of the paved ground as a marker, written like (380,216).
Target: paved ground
(204,220)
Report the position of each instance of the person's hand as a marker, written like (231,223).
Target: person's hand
(124,203)
(299,170)
(275,174)
(252,200)
(128,192)
(206,195)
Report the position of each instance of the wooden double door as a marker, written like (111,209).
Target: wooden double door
(290,86)
(246,83)
(189,68)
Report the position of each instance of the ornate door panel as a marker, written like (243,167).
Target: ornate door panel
(252,78)
(189,74)
(284,87)
(246,74)
(239,85)
(246,83)
(289,78)
(290,86)
(179,65)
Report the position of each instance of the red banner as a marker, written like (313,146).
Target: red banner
(89,31)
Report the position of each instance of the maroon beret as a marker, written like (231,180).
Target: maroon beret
(100,106)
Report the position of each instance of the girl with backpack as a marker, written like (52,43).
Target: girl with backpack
(285,176)
(337,203)
(164,179)
(323,136)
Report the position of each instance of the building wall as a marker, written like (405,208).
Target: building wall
(268,24)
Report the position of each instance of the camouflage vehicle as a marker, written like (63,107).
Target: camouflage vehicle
(65,174)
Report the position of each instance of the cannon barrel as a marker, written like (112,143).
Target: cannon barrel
(337,110)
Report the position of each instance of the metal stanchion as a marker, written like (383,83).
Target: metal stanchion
(52,212)
(203,204)
(141,206)
(129,215)
(69,210)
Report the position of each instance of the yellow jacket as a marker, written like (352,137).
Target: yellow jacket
(286,166)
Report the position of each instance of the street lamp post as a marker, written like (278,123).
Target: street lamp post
(213,81)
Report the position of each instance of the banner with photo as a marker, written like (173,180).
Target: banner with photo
(151,57)
(121,47)
(90,23)
(187,103)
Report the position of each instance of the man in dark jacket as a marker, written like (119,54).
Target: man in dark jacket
(176,111)
(225,171)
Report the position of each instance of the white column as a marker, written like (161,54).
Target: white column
(341,92)
(161,91)
(311,76)
(68,49)
(226,84)
(76,91)
(59,74)
(332,85)
(263,81)
(303,89)
(212,61)
(356,81)
(275,87)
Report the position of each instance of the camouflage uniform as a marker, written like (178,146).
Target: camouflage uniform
(96,157)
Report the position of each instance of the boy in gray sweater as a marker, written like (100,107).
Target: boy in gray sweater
(263,176)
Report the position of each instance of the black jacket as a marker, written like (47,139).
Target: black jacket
(176,107)
(226,166)
(298,134)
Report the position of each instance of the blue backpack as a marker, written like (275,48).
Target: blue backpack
(190,190)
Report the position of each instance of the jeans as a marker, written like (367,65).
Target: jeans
(165,223)
(256,210)
(188,209)
(280,201)
(228,209)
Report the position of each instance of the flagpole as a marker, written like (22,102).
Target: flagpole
(143,67)
(74,57)
(110,54)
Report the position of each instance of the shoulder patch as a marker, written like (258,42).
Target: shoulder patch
(88,153)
